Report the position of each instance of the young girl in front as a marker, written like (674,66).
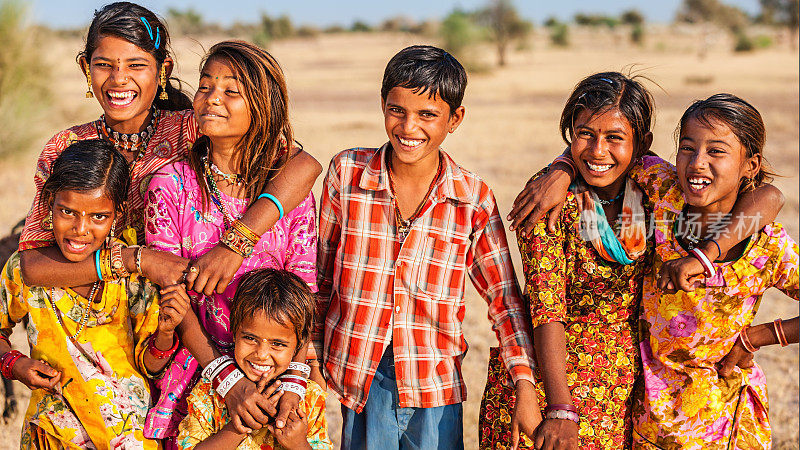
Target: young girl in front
(127,64)
(242,109)
(693,395)
(270,321)
(88,343)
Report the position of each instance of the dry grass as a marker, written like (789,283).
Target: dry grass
(510,131)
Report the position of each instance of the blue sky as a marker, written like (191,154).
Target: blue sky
(76,13)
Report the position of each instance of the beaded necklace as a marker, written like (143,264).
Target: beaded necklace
(84,309)
(608,202)
(215,194)
(232,178)
(404,225)
(129,141)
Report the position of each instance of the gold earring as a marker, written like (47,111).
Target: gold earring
(47,222)
(89,93)
(110,237)
(163,95)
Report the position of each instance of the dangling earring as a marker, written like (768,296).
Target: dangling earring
(47,222)
(89,93)
(163,95)
(110,237)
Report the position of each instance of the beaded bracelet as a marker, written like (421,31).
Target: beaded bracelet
(708,268)
(305,369)
(746,341)
(138,258)
(274,200)
(7,362)
(162,354)
(562,414)
(778,326)
(238,242)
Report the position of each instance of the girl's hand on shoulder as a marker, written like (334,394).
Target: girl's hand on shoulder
(541,195)
(215,270)
(294,434)
(556,434)
(163,268)
(174,303)
(682,274)
(36,374)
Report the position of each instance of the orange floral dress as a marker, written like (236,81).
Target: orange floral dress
(567,281)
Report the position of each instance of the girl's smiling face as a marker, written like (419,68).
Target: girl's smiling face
(219,106)
(711,163)
(124,81)
(81,222)
(264,347)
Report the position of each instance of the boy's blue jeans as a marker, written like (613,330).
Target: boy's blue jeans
(385,426)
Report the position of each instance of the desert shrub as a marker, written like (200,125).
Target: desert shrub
(744,43)
(559,35)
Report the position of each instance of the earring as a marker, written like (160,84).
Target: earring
(110,237)
(163,95)
(47,222)
(89,93)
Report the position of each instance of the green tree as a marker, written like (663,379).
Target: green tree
(360,27)
(187,21)
(273,28)
(458,32)
(635,20)
(504,25)
(707,12)
(782,12)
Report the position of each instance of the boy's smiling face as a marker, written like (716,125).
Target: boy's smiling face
(417,124)
(263,347)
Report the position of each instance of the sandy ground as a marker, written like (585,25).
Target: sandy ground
(510,131)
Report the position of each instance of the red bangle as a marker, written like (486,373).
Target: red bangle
(746,341)
(3,337)
(293,379)
(7,362)
(563,407)
(161,354)
(708,267)
(778,325)
(230,368)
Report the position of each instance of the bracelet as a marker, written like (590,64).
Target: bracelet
(564,407)
(570,163)
(161,354)
(305,369)
(222,375)
(708,268)
(97,265)
(105,264)
(778,326)
(138,258)
(289,386)
(274,200)
(293,379)
(246,232)
(5,338)
(562,414)
(214,366)
(237,242)
(117,263)
(7,362)
(226,384)
(746,341)
(719,251)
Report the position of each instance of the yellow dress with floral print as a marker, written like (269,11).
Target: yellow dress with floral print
(208,414)
(683,402)
(102,398)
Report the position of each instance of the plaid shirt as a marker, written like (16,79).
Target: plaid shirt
(173,137)
(414,297)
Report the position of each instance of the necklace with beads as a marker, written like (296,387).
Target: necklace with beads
(232,178)
(132,142)
(216,195)
(85,310)
(404,225)
(608,202)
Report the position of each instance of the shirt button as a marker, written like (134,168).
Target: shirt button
(397,308)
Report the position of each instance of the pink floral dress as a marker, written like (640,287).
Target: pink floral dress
(176,221)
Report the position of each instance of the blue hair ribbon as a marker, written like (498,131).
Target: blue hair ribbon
(150,32)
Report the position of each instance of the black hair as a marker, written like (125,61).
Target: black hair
(124,20)
(281,295)
(745,123)
(423,68)
(88,165)
(607,90)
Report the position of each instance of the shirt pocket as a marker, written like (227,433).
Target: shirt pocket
(442,269)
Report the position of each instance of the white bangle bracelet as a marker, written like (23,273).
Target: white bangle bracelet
(293,387)
(215,366)
(305,369)
(562,414)
(228,382)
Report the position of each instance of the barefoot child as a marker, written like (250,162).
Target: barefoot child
(88,342)
(271,319)
(401,227)
(694,396)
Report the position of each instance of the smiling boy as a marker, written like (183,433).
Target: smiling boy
(400,228)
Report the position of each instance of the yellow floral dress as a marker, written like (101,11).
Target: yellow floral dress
(102,398)
(208,414)
(684,403)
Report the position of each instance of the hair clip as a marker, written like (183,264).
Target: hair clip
(608,80)
(157,40)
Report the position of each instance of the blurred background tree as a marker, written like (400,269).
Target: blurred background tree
(504,25)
